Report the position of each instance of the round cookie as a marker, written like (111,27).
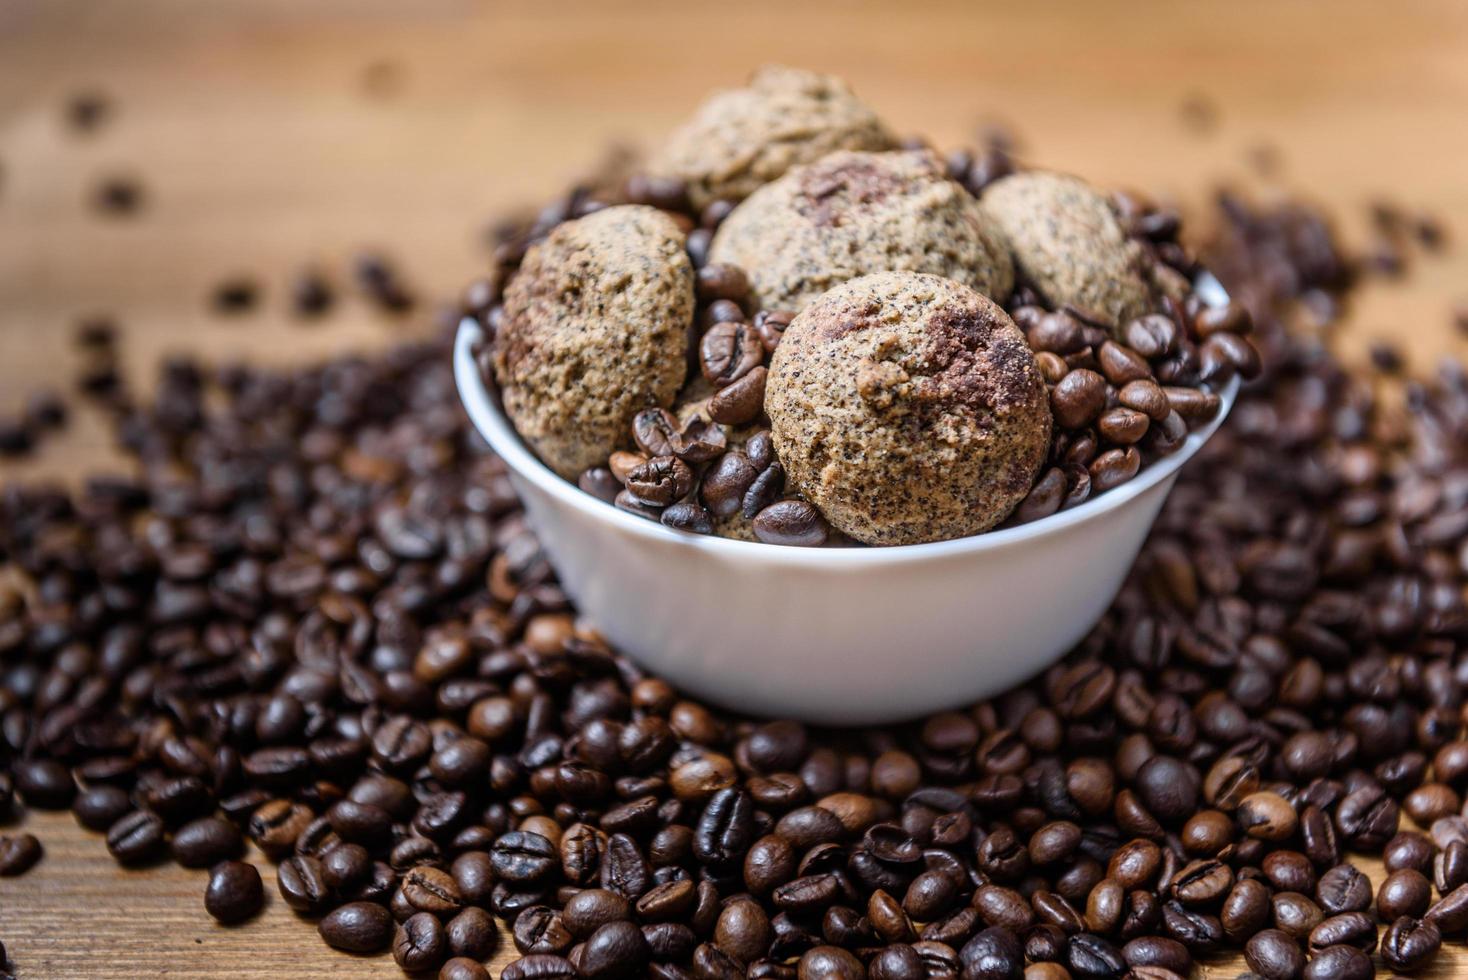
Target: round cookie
(742,138)
(852,213)
(595,328)
(908,408)
(1068,244)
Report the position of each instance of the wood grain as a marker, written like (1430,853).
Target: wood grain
(249,126)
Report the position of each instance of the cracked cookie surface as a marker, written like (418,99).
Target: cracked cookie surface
(595,328)
(908,408)
(851,214)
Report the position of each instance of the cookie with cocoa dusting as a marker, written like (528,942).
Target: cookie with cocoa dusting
(1068,244)
(595,328)
(742,138)
(854,213)
(908,408)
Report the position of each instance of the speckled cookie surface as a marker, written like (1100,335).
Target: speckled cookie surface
(908,408)
(1068,244)
(595,326)
(854,213)
(742,138)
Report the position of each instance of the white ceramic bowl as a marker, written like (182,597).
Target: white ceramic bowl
(839,636)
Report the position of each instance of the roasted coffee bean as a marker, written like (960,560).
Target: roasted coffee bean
(1078,398)
(420,943)
(1339,963)
(1158,951)
(357,927)
(1294,913)
(463,968)
(615,950)
(1267,816)
(540,929)
(1347,929)
(472,933)
(207,841)
(1367,818)
(430,889)
(234,892)
(993,954)
(743,931)
(136,838)
(523,858)
(541,966)
(1449,913)
(1092,956)
(741,401)
(660,481)
(1343,888)
(18,854)
(44,784)
(791,522)
(1408,849)
(99,807)
(1406,892)
(666,902)
(729,351)
(1410,944)
(592,908)
(1202,883)
(1450,866)
(302,884)
(1274,955)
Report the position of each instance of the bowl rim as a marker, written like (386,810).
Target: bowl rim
(495,428)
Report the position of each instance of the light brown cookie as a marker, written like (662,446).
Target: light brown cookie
(742,138)
(1068,244)
(850,214)
(595,326)
(908,408)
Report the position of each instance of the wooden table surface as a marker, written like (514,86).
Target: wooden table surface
(255,132)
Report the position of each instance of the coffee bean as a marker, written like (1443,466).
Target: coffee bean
(207,841)
(472,933)
(1078,398)
(728,351)
(830,962)
(99,807)
(18,854)
(1403,893)
(1158,951)
(743,931)
(993,954)
(136,838)
(1339,963)
(234,893)
(302,884)
(44,784)
(1343,889)
(463,968)
(614,950)
(523,858)
(791,522)
(432,890)
(1267,816)
(357,927)
(1347,929)
(742,401)
(660,481)
(1274,955)
(1410,944)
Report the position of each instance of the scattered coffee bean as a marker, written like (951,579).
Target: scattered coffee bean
(234,893)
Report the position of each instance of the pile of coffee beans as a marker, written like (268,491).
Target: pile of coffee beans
(1118,403)
(317,621)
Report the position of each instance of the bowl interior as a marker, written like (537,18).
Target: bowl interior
(484,410)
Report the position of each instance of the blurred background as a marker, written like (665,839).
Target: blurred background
(176,165)
(156,153)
